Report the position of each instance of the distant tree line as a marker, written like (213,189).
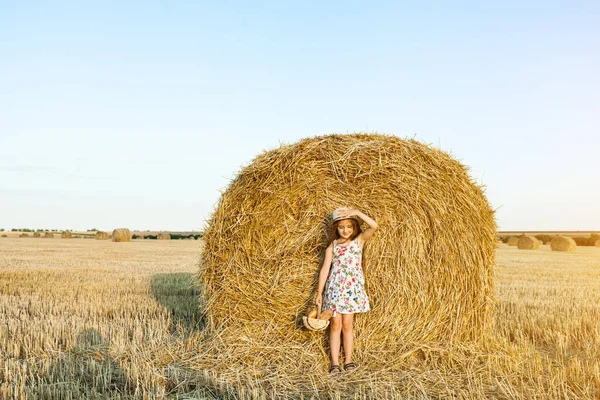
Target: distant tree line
(37,230)
(174,236)
(545,239)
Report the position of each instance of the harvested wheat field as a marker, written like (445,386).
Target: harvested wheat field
(85,319)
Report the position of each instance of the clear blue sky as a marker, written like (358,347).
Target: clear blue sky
(135,114)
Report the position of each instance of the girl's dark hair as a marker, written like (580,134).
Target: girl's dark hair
(333,233)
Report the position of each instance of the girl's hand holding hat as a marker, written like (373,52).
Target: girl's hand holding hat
(319,300)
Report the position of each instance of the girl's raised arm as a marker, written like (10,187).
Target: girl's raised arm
(373,226)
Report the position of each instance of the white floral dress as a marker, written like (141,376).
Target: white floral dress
(345,287)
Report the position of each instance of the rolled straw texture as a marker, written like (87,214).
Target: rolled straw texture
(563,243)
(121,235)
(24,235)
(37,235)
(164,236)
(66,235)
(513,240)
(101,235)
(528,243)
(428,269)
(49,235)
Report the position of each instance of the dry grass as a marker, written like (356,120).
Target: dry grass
(85,319)
(163,236)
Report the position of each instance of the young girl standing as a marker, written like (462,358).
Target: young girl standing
(342,279)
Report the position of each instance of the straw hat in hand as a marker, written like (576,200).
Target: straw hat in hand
(317,321)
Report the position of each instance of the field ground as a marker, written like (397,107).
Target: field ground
(97,319)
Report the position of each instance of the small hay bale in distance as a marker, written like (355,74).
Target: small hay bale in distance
(49,235)
(563,243)
(66,235)
(597,243)
(513,240)
(5,236)
(24,235)
(528,243)
(121,235)
(101,235)
(267,236)
(37,235)
(164,236)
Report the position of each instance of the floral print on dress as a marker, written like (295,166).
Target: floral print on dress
(345,287)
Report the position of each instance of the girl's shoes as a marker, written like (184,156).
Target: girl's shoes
(350,367)
(334,370)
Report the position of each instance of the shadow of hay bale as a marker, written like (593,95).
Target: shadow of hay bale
(86,371)
(178,293)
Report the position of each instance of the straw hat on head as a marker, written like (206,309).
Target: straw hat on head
(337,217)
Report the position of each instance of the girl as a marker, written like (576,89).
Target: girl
(342,278)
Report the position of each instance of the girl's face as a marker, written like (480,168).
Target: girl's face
(345,228)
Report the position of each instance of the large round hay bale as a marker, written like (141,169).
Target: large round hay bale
(513,240)
(563,243)
(101,235)
(66,235)
(428,269)
(121,235)
(24,235)
(528,243)
(164,236)
(597,243)
(49,235)
(37,235)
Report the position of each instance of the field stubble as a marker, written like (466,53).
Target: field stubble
(84,319)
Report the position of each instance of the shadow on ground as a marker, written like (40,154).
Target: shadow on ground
(178,293)
(87,371)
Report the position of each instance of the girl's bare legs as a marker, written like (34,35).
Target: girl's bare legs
(348,334)
(335,330)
